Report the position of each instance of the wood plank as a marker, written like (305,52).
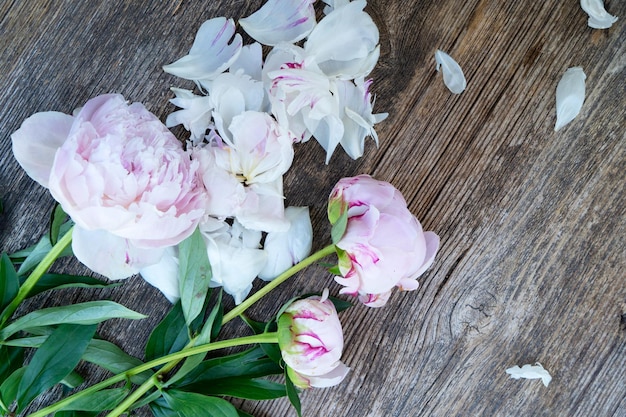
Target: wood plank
(533,222)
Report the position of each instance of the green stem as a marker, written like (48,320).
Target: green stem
(34,277)
(238,310)
(176,356)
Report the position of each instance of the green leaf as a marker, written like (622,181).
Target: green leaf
(107,399)
(189,404)
(53,361)
(257,327)
(292,393)
(338,229)
(251,363)
(34,254)
(75,414)
(26,342)
(91,312)
(59,281)
(72,380)
(205,336)
(246,388)
(9,283)
(57,219)
(169,336)
(112,358)
(160,408)
(195,275)
(8,389)
(243,413)
(11,358)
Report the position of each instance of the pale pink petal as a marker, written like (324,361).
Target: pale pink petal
(330,379)
(35,143)
(110,255)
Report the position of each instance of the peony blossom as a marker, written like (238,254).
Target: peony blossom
(120,175)
(310,338)
(280,21)
(383,245)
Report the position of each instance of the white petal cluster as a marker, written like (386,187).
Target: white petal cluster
(249,112)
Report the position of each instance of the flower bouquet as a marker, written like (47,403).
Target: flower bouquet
(206,216)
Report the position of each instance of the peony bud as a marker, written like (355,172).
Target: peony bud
(383,244)
(311,342)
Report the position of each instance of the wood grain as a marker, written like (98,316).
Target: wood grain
(532,222)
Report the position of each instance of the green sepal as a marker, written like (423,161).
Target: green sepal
(57,218)
(339,228)
(292,393)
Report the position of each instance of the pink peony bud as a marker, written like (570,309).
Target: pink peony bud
(311,342)
(383,245)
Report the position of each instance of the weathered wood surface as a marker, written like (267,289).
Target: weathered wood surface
(533,222)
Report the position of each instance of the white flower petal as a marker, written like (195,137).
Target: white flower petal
(211,53)
(345,43)
(528,371)
(453,76)
(195,115)
(249,61)
(234,266)
(164,274)
(599,18)
(35,143)
(330,379)
(285,249)
(110,255)
(280,21)
(570,95)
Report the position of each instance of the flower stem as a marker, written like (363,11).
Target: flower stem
(34,277)
(176,356)
(238,310)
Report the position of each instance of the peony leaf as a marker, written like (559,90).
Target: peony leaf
(58,217)
(9,283)
(189,404)
(195,276)
(53,361)
(112,358)
(11,359)
(8,388)
(292,393)
(59,281)
(106,399)
(169,336)
(246,388)
(91,312)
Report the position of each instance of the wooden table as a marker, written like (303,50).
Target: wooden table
(532,222)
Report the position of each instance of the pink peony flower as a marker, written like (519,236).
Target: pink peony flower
(311,342)
(383,245)
(120,175)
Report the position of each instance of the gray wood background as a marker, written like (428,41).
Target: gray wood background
(532,222)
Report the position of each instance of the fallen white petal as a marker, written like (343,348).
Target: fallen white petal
(529,371)
(280,21)
(599,18)
(453,76)
(570,95)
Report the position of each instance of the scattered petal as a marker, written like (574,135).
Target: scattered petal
(453,76)
(280,21)
(599,18)
(195,115)
(211,53)
(529,371)
(570,95)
